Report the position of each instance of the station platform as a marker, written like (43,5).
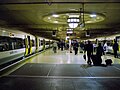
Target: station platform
(62,71)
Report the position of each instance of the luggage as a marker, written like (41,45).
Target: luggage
(108,61)
(96,60)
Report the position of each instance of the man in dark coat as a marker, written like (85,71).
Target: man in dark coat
(100,50)
(115,48)
(76,45)
(99,53)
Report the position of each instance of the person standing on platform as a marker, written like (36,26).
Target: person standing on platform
(55,47)
(115,48)
(58,45)
(76,45)
(99,53)
(89,49)
(62,45)
(81,47)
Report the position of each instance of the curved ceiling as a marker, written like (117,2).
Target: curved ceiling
(36,17)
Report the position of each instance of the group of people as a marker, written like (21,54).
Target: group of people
(100,50)
(87,48)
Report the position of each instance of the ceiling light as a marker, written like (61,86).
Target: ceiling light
(49,18)
(73,25)
(55,15)
(73,22)
(75,15)
(69,31)
(55,21)
(93,15)
(3,31)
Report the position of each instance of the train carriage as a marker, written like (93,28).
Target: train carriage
(15,45)
(12,46)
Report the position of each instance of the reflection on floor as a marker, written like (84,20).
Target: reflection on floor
(65,57)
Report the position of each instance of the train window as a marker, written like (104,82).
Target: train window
(4,43)
(1,47)
(17,43)
(8,43)
(33,43)
(41,42)
(4,47)
(47,43)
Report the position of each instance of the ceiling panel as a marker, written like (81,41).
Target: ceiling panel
(27,14)
(29,1)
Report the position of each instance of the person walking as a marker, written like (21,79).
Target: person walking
(115,48)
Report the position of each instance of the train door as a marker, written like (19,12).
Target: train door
(28,46)
(37,44)
(44,44)
(49,43)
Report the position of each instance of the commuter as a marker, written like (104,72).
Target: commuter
(70,46)
(62,45)
(85,43)
(55,47)
(58,45)
(105,47)
(115,48)
(81,47)
(89,49)
(99,53)
(76,45)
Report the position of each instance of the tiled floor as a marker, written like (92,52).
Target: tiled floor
(62,71)
(64,57)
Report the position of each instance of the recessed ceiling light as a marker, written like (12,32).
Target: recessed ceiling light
(55,21)
(89,21)
(49,18)
(73,9)
(74,15)
(3,31)
(93,15)
(55,15)
(69,28)
(69,31)
(98,17)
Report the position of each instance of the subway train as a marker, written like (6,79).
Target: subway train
(15,45)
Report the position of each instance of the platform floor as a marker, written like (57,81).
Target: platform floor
(62,71)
